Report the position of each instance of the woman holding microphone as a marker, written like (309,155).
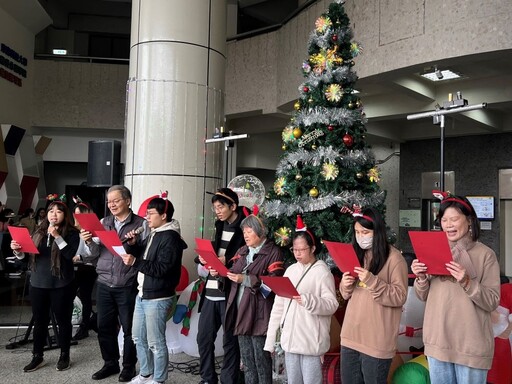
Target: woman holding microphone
(51,281)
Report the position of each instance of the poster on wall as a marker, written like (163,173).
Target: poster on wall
(410,218)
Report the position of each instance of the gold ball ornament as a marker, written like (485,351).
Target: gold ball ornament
(313,192)
(296,105)
(358,104)
(359,175)
(313,147)
(298,177)
(351,105)
(310,100)
(283,147)
(297,132)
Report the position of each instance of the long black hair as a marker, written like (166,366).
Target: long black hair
(374,221)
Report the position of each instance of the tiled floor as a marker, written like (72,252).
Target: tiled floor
(85,359)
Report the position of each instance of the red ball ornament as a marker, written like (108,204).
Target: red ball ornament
(348,140)
(330,128)
(305,89)
(334,37)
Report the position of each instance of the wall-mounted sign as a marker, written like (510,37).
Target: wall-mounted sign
(410,218)
(11,65)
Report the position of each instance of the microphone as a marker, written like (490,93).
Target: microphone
(49,238)
(138,231)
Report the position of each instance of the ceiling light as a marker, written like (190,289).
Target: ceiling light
(60,51)
(435,74)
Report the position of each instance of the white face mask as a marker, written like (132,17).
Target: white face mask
(365,242)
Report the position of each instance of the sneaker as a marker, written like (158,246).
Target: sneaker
(63,362)
(139,379)
(36,363)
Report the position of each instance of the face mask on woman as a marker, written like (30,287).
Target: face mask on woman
(365,242)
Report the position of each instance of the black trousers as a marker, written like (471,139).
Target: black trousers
(210,320)
(114,306)
(85,278)
(60,302)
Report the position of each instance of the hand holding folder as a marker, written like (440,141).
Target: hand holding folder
(206,251)
(21,235)
(344,256)
(433,250)
(281,286)
(89,222)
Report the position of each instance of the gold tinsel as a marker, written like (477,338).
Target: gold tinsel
(373,175)
(334,92)
(330,171)
(282,236)
(279,186)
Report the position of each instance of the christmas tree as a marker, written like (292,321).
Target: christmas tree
(327,163)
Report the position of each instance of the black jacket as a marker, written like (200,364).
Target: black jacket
(161,263)
(236,242)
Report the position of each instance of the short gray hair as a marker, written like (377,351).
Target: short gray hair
(256,224)
(125,192)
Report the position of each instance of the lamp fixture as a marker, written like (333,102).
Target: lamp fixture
(436,74)
(60,51)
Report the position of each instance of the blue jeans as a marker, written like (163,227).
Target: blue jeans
(442,372)
(358,368)
(148,332)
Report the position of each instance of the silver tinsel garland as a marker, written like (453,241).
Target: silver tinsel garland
(324,40)
(338,75)
(321,155)
(323,115)
(298,205)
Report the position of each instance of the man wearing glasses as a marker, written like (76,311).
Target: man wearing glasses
(116,289)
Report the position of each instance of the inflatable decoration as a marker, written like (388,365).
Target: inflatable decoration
(144,206)
(411,324)
(413,372)
(188,342)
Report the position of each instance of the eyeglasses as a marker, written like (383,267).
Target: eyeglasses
(114,202)
(148,213)
(299,250)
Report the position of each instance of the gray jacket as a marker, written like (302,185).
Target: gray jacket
(110,268)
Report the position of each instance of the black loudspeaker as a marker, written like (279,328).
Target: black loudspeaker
(103,166)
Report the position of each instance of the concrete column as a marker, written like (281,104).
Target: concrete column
(175,100)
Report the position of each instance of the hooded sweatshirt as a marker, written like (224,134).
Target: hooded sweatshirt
(159,269)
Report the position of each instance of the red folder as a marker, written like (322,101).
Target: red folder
(432,249)
(206,251)
(21,235)
(344,256)
(89,222)
(281,286)
(110,239)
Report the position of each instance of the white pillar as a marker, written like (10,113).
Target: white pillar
(175,100)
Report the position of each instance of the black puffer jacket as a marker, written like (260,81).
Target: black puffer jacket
(161,263)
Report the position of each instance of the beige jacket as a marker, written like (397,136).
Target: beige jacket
(457,325)
(374,309)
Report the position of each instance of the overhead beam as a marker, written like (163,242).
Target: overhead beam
(416,89)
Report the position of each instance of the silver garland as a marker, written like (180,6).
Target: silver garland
(338,75)
(324,40)
(323,115)
(299,205)
(323,154)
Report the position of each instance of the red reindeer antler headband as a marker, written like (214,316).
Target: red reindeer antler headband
(447,197)
(356,211)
